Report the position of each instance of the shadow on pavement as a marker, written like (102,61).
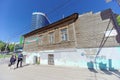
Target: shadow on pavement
(112,72)
(106,72)
(103,68)
(92,70)
(22,66)
(25,65)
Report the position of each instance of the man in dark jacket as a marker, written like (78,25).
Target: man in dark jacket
(20,59)
(12,61)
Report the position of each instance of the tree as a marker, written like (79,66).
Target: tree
(2,46)
(118,20)
(11,47)
(18,46)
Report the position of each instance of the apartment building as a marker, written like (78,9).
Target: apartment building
(89,40)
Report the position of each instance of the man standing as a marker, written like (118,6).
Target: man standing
(20,59)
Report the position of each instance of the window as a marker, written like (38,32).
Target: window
(64,35)
(51,38)
(40,40)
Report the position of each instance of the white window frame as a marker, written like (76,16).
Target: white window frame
(51,37)
(64,35)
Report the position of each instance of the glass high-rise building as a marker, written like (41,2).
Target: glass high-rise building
(39,20)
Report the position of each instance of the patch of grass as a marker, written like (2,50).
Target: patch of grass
(1,56)
(4,56)
(38,62)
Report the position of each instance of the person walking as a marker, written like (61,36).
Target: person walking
(20,59)
(12,61)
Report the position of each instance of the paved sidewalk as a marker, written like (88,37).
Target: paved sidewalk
(4,60)
(44,72)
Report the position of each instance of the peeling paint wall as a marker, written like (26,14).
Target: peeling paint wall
(108,58)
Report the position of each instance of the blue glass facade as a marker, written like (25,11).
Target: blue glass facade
(39,20)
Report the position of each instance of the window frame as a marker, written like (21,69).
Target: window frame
(64,34)
(51,37)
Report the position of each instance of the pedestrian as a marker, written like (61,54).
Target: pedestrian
(12,61)
(20,59)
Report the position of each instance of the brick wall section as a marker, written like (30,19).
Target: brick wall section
(45,38)
(86,32)
(30,46)
(71,32)
(57,35)
(58,44)
(90,29)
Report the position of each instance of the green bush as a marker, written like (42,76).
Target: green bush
(118,20)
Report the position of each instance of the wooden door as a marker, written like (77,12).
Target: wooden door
(51,59)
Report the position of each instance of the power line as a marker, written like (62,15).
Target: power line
(58,7)
(16,34)
(68,7)
(104,39)
(50,12)
(65,8)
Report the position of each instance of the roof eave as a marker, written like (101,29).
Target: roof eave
(62,21)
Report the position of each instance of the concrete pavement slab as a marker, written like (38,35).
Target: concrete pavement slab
(46,72)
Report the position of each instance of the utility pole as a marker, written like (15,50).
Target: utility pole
(5,50)
(7,43)
(6,46)
(14,46)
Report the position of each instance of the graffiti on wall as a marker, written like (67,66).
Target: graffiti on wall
(93,59)
(90,51)
(91,54)
(98,57)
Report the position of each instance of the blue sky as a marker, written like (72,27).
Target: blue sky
(15,15)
